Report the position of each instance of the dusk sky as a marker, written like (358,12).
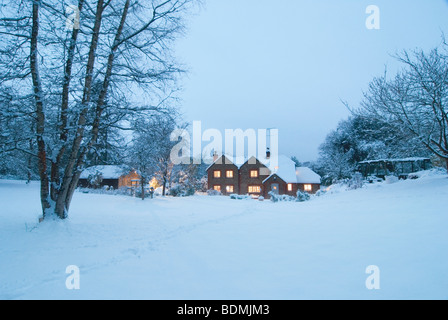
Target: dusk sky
(287,64)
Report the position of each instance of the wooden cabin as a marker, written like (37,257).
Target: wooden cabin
(115,177)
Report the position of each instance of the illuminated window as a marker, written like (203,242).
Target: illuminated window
(217,188)
(254,173)
(289,186)
(217,174)
(308,187)
(135,183)
(229,174)
(254,189)
(229,189)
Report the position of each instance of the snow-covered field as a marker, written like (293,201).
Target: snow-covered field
(216,248)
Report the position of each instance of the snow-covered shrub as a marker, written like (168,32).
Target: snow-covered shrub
(240,197)
(413,176)
(372,179)
(176,191)
(181,191)
(95,180)
(283,197)
(355,182)
(190,192)
(108,191)
(391,179)
(214,193)
(260,198)
(302,196)
(320,193)
(274,197)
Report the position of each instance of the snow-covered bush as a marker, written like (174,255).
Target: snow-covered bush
(240,197)
(214,193)
(413,176)
(355,182)
(176,191)
(302,196)
(283,197)
(107,190)
(391,179)
(182,191)
(95,180)
(372,179)
(274,197)
(320,193)
(260,198)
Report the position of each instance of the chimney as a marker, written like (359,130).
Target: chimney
(268,153)
(215,156)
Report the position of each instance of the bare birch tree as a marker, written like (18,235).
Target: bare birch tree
(124,45)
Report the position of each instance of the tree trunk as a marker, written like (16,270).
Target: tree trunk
(78,154)
(65,193)
(164,186)
(30,169)
(142,182)
(40,114)
(55,168)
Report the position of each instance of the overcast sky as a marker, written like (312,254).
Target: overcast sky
(286,64)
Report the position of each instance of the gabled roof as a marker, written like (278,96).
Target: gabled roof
(306,175)
(274,175)
(226,160)
(238,161)
(107,172)
(285,168)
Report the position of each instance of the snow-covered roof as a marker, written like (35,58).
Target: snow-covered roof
(306,175)
(233,160)
(284,167)
(298,175)
(107,172)
(237,161)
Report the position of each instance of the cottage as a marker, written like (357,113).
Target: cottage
(112,176)
(258,177)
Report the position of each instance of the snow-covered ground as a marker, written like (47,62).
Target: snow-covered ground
(217,248)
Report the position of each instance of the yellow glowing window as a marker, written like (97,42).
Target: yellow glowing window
(308,187)
(254,189)
(217,174)
(254,173)
(289,186)
(217,188)
(229,173)
(229,189)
